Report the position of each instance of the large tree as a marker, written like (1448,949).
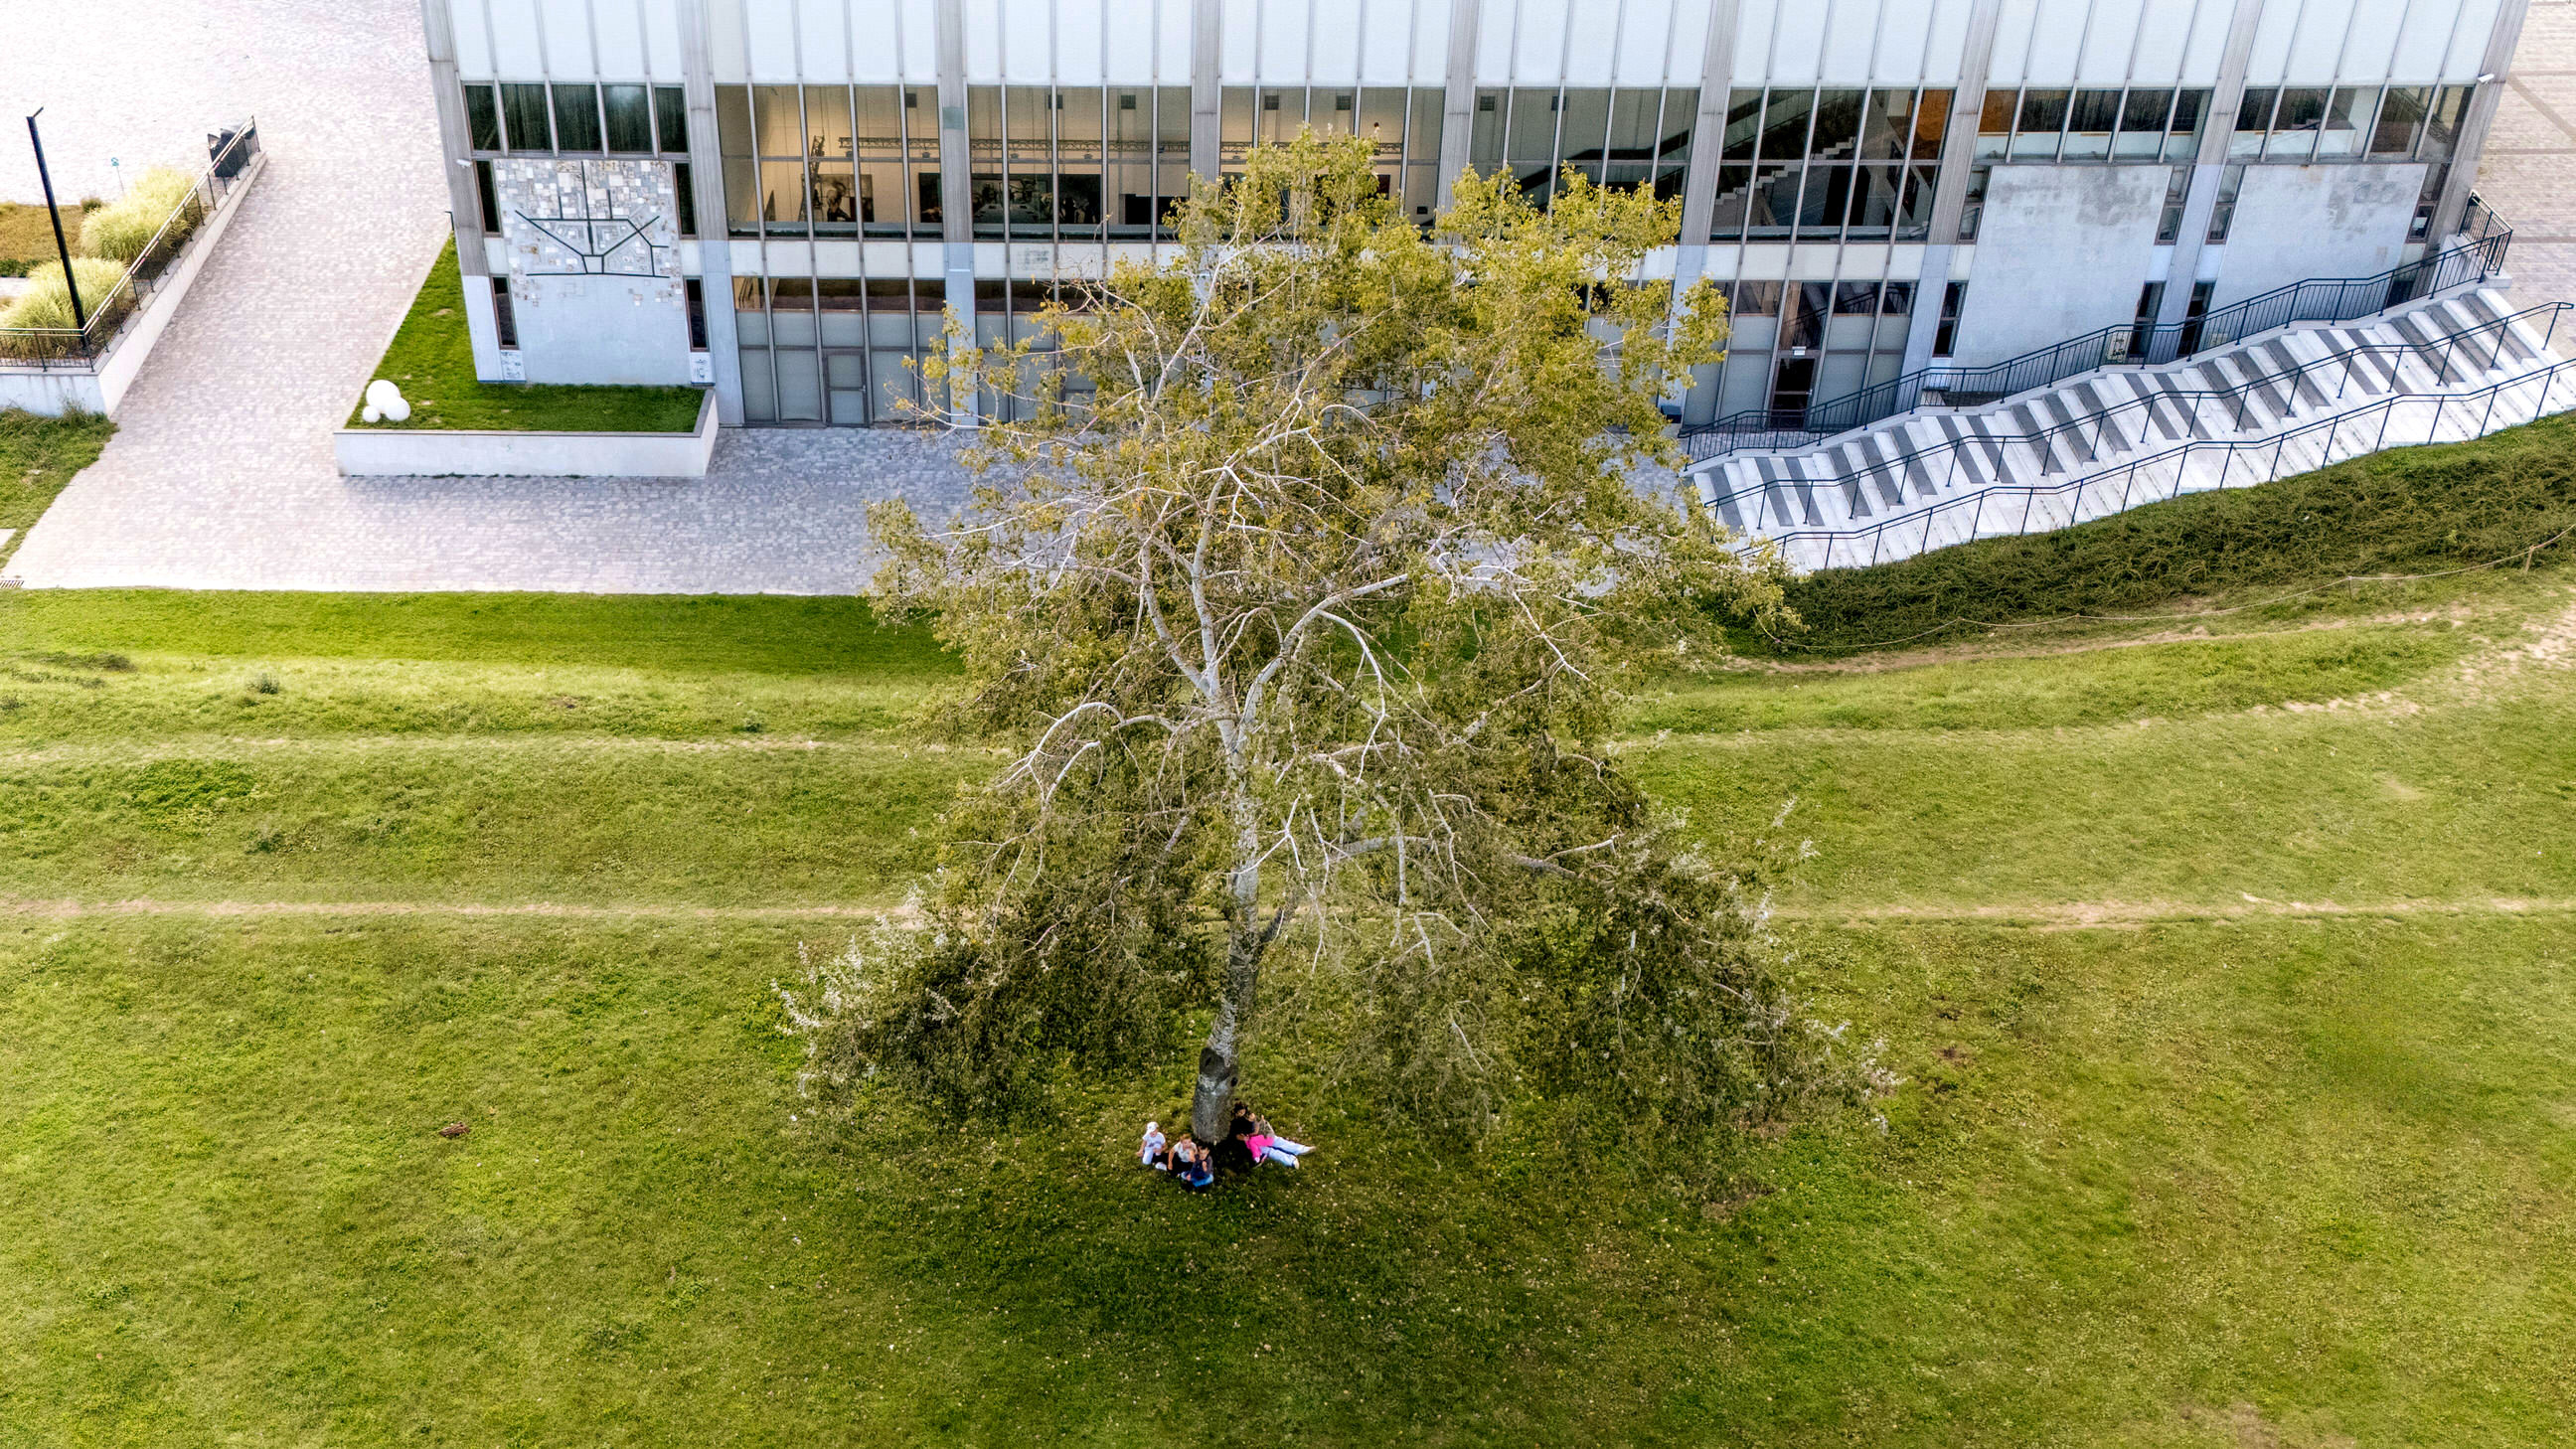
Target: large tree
(1305,573)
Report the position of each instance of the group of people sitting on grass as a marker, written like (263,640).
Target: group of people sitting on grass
(1249,1138)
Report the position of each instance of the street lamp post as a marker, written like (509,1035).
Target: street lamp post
(71,284)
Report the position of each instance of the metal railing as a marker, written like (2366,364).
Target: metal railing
(2315,300)
(2161,478)
(230,153)
(2079,440)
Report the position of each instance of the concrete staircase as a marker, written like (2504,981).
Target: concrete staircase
(2438,370)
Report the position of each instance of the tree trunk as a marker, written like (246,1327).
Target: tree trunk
(1244,943)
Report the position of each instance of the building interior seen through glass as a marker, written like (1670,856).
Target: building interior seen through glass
(1106,163)
(1403,125)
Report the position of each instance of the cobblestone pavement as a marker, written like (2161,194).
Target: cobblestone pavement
(220,475)
(2528,171)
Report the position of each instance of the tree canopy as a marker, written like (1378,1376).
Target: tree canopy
(1305,576)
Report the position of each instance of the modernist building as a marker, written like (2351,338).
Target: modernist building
(779,197)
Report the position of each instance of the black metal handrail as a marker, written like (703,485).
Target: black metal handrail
(2315,300)
(2098,423)
(2179,456)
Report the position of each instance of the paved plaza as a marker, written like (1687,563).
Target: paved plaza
(2529,171)
(220,475)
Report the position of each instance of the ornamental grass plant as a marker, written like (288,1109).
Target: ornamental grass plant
(121,230)
(46,306)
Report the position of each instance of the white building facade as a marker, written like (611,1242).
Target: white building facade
(780,197)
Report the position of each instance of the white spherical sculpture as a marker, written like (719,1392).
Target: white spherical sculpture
(385,403)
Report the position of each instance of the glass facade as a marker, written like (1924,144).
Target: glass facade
(1404,124)
(1622,137)
(1073,163)
(1841,173)
(1829,165)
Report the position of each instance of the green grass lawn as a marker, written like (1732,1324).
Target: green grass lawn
(37,457)
(2169,1167)
(27,235)
(432,360)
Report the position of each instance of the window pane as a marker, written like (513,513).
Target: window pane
(2253,118)
(1997,118)
(1837,133)
(2347,116)
(686,193)
(1757,299)
(482,118)
(1914,219)
(576,118)
(630,118)
(671,118)
(782,197)
(733,120)
(832,189)
(742,196)
(489,199)
(2182,135)
(2043,115)
(1856,299)
(1734,192)
(1743,123)
(1583,130)
(2295,126)
(1531,145)
(2443,132)
(1875,192)
(1775,201)
(524,107)
(1821,207)
(1890,126)
(1784,125)
(2095,112)
(781,130)
(1898,301)
(2142,125)
(2401,116)
(827,123)
(1931,124)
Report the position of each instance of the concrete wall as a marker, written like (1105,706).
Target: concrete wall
(594,269)
(2062,250)
(2349,221)
(426,452)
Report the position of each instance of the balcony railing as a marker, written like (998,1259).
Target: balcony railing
(80,349)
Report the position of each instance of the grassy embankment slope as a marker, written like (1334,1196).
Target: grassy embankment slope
(2229,976)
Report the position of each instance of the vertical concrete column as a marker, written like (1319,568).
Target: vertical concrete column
(464,205)
(707,195)
(956,179)
(1458,100)
(1708,137)
(1950,182)
(2453,205)
(2209,164)
(1207,38)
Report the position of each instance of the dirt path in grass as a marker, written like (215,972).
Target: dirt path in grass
(2046,915)
(70,909)
(2082,915)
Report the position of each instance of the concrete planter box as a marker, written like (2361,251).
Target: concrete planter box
(427,452)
